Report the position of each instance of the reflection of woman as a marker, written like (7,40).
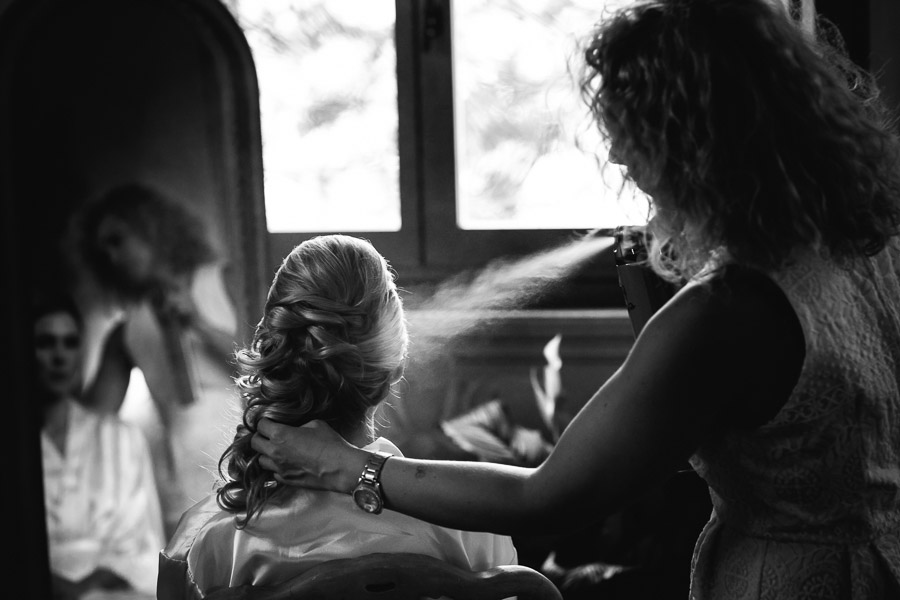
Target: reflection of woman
(144,251)
(104,525)
(776,194)
(151,285)
(331,343)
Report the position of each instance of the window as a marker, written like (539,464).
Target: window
(523,140)
(449,135)
(328,107)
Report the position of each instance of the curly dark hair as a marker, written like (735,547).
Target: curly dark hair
(331,342)
(752,140)
(176,234)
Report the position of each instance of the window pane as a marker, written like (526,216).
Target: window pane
(328,105)
(519,114)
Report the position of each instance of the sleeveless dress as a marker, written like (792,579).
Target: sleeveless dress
(807,507)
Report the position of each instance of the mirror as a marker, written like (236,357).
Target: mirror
(107,92)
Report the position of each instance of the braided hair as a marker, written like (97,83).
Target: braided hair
(331,342)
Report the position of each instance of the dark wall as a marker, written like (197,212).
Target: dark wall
(871,32)
(884,47)
(852,19)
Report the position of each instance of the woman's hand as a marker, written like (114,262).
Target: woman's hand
(172,300)
(311,456)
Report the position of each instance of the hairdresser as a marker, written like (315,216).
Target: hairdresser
(775,369)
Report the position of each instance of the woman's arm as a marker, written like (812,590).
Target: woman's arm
(699,367)
(201,303)
(106,391)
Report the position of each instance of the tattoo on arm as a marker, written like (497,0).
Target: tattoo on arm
(420,472)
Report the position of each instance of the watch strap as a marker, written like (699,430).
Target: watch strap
(371,472)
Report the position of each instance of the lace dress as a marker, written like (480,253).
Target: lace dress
(808,506)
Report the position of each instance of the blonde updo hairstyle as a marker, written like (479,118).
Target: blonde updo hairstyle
(330,344)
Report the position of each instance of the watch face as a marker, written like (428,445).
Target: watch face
(367,499)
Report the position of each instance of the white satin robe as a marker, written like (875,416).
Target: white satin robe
(101,501)
(300,529)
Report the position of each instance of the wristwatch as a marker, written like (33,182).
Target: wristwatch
(367,493)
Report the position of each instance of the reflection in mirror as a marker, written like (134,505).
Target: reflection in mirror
(160,327)
(155,103)
(103,510)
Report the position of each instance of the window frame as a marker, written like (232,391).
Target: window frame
(430,246)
